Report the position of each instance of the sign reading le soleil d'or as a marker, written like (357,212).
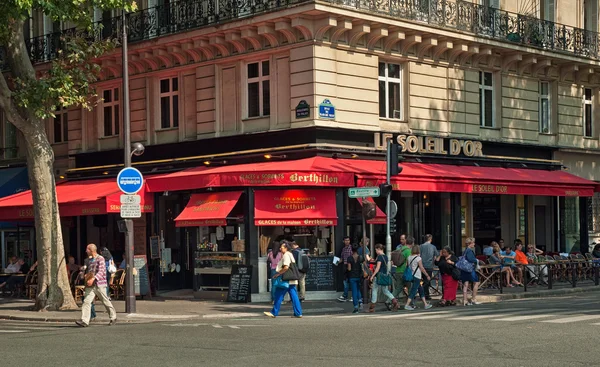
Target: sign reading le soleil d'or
(431,145)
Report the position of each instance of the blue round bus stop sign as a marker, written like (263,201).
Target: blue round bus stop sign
(130,180)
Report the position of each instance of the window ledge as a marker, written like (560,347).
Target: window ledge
(386,119)
(490,128)
(590,138)
(255,118)
(109,137)
(167,129)
(59,144)
(547,134)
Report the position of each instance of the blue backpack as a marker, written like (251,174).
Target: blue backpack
(409,275)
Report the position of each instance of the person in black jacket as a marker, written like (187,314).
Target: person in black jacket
(445,262)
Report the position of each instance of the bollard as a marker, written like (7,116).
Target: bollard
(596,275)
(550,276)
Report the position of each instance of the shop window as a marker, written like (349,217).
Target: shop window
(169,103)
(486,99)
(110,112)
(60,126)
(390,87)
(8,138)
(544,107)
(588,117)
(569,217)
(259,89)
(593,206)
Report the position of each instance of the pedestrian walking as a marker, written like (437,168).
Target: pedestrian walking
(84,270)
(299,256)
(470,276)
(381,280)
(110,268)
(95,286)
(428,253)
(273,259)
(415,265)
(355,273)
(283,266)
(399,258)
(450,276)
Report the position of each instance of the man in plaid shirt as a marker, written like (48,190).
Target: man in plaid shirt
(95,286)
(345,254)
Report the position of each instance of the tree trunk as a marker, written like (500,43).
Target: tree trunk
(54,291)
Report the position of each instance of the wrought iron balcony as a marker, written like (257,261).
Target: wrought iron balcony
(456,15)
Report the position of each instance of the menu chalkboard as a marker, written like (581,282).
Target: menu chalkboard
(141,281)
(155,247)
(239,284)
(320,275)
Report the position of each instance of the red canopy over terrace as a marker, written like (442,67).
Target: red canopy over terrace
(75,198)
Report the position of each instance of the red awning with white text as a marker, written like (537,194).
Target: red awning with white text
(484,180)
(75,198)
(311,207)
(210,209)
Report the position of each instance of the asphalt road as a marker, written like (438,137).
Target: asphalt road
(549,332)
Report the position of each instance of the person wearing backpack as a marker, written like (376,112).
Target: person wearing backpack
(381,280)
(355,273)
(303,263)
(399,258)
(414,272)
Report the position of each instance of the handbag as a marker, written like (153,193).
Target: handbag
(464,265)
(384,279)
(455,273)
(280,283)
(409,275)
(292,273)
(111,267)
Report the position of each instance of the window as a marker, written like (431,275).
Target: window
(547,10)
(390,82)
(587,113)
(593,205)
(111,112)
(8,138)
(169,103)
(590,15)
(259,89)
(486,99)
(60,128)
(544,90)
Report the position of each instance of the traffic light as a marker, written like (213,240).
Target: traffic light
(392,225)
(384,189)
(393,162)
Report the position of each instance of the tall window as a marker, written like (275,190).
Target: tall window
(588,122)
(8,138)
(390,81)
(486,99)
(259,89)
(544,90)
(111,113)
(60,128)
(169,103)
(590,15)
(547,10)
(594,213)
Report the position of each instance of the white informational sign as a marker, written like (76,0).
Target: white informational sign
(131,211)
(131,199)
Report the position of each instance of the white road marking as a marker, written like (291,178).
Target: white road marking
(234,327)
(13,331)
(575,318)
(217,326)
(524,318)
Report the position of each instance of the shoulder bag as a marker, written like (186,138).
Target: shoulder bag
(280,283)
(464,265)
(409,274)
(291,273)
(384,279)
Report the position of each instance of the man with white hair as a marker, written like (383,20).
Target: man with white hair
(95,286)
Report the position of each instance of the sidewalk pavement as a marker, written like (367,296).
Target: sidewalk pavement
(164,309)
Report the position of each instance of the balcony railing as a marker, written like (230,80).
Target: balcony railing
(457,15)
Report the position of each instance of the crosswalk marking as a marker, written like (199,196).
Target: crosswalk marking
(573,319)
(523,318)
(13,331)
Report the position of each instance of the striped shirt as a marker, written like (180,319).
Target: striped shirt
(98,267)
(346,253)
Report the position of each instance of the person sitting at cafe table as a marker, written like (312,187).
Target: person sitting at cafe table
(496,259)
(532,259)
(508,256)
(15,279)
(596,251)
(13,266)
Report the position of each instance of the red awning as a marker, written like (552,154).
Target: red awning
(484,180)
(315,171)
(311,207)
(75,198)
(380,217)
(210,209)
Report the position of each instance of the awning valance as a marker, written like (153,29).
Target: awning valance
(484,180)
(209,209)
(311,207)
(75,198)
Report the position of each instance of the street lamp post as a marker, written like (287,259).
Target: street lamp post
(129,252)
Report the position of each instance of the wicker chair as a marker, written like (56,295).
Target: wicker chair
(116,285)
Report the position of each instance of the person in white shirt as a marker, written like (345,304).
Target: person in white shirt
(287,259)
(415,264)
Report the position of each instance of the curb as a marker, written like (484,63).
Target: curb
(538,294)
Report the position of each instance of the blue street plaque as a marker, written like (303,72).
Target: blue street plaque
(326,110)
(130,180)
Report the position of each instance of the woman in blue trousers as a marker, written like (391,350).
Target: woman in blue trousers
(286,261)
